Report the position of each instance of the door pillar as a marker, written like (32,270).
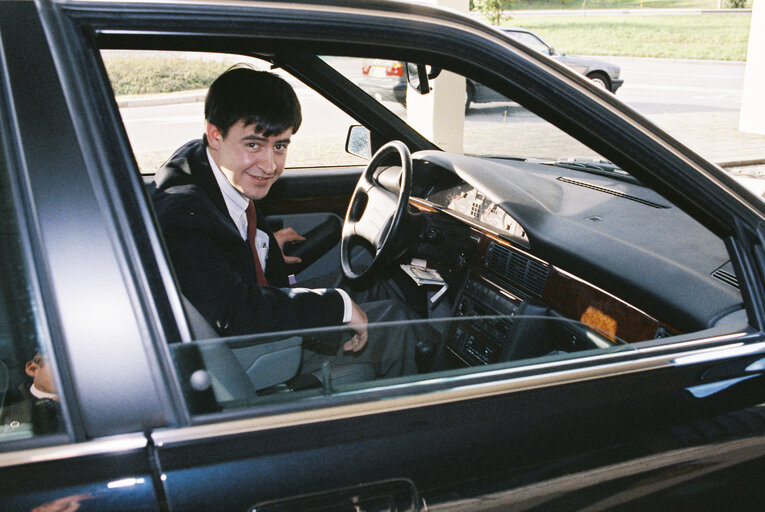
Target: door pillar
(752,117)
(440,114)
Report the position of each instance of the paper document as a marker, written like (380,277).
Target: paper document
(422,275)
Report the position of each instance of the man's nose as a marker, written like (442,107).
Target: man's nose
(266,161)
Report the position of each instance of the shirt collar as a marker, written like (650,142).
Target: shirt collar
(37,393)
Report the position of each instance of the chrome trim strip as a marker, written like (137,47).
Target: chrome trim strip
(106,445)
(691,343)
(706,356)
(461,391)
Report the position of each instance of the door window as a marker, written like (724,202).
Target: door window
(529,252)
(161,99)
(29,400)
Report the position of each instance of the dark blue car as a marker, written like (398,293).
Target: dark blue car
(595,288)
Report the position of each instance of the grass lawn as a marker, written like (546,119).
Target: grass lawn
(619,4)
(131,75)
(700,36)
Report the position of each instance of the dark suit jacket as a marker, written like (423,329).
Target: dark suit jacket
(215,266)
(40,412)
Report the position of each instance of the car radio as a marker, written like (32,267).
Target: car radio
(477,341)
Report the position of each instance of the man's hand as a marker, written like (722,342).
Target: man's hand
(359,324)
(284,236)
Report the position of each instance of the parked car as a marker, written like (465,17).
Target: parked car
(387,80)
(596,287)
(603,74)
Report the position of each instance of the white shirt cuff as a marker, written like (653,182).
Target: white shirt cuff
(348,305)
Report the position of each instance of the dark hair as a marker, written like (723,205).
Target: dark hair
(255,97)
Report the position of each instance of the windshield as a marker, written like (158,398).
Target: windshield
(470,118)
(529,40)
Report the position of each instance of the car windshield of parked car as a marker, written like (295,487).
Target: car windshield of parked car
(529,40)
(521,249)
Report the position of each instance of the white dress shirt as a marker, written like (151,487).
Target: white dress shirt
(236,203)
(39,393)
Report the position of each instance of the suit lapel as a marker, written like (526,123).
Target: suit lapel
(203,174)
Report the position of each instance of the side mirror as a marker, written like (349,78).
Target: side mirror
(359,142)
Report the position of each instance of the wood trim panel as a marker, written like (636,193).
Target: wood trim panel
(576,298)
(580,300)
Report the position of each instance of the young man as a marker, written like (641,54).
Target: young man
(206,197)
(39,403)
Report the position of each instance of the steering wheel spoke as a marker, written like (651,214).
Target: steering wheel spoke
(375,214)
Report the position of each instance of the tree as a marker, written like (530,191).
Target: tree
(493,9)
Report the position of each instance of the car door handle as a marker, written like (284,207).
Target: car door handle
(398,495)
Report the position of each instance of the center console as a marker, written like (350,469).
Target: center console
(477,342)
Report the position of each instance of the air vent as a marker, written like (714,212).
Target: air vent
(517,268)
(612,192)
(726,275)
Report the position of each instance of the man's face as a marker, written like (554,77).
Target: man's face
(250,161)
(42,374)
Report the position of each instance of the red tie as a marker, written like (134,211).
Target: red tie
(252,227)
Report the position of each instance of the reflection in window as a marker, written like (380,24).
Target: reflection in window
(226,374)
(28,398)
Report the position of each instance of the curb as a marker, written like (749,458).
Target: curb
(741,163)
(172,98)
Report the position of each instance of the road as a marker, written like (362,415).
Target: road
(663,86)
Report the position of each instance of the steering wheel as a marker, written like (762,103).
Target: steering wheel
(376,211)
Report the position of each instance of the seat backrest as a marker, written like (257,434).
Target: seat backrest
(230,383)
(238,370)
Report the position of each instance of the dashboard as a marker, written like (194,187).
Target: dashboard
(471,203)
(571,260)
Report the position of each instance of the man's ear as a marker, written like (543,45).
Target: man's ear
(31,368)
(213,136)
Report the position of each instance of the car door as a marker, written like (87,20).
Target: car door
(73,440)
(445,437)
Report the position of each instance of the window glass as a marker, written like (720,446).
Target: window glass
(527,248)
(529,40)
(493,125)
(29,404)
(161,98)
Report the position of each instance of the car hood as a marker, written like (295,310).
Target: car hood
(586,64)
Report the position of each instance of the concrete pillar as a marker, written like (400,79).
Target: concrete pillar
(440,114)
(753,98)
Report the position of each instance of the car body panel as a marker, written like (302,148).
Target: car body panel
(108,474)
(449,441)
